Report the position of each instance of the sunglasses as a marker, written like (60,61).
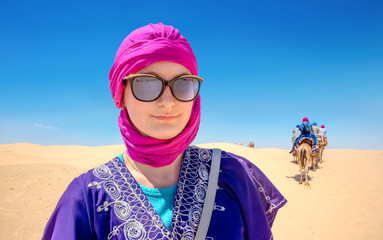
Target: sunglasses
(148,87)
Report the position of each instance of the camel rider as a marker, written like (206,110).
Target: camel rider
(322,131)
(296,133)
(307,130)
(315,128)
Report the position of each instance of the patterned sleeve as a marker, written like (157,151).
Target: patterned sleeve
(70,219)
(269,196)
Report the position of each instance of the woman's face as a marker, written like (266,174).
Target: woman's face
(166,117)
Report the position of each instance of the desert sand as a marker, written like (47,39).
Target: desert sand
(344,202)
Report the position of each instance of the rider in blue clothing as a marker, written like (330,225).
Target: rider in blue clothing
(309,134)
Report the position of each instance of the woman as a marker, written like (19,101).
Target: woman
(156,189)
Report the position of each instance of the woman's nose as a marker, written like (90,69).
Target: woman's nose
(167,98)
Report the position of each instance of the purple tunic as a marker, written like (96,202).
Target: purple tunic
(107,203)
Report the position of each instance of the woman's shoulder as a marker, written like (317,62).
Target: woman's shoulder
(94,175)
(229,161)
(243,177)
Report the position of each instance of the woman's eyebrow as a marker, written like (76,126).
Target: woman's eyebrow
(183,74)
(147,72)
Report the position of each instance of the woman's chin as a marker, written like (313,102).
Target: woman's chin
(164,134)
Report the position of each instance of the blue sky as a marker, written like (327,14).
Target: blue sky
(266,64)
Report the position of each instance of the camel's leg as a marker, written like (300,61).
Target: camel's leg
(307,184)
(301,170)
(300,181)
(317,160)
(321,155)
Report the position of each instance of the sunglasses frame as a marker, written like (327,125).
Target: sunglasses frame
(164,84)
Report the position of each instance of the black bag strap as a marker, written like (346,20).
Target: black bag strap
(212,187)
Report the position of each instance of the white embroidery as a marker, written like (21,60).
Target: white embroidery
(94,184)
(200,192)
(102,172)
(115,231)
(103,207)
(133,230)
(195,215)
(203,172)
(274,206)
(112,189)
(205,154)
(189,235)
(219,208)
(121,187)
(191,192)
(122,210)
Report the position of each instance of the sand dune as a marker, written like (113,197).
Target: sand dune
(343,203)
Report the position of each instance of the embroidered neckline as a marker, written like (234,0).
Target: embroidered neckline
(131,206)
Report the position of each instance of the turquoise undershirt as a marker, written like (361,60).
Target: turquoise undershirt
(162,200)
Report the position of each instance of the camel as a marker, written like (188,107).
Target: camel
(322,143)
(315,160)
(304,158)
(251,144)
(295,158)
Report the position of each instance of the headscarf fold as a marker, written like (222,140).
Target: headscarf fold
(145,46)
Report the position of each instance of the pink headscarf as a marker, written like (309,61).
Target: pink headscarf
(145,46)
(305,119)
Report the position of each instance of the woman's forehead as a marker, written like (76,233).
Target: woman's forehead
(165,69)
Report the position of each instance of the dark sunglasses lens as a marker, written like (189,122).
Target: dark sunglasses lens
(146,88)
(186,89)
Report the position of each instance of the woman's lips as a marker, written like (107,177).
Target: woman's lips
(165,117)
